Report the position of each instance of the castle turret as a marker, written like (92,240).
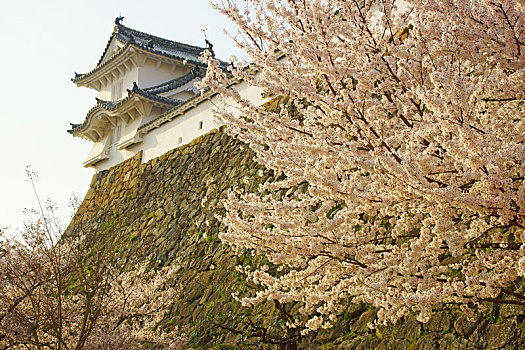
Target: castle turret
(139,77)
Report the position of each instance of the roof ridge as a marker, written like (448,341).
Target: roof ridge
(149,42)
(162,99)
(175,82)
(119,26)
(112,105)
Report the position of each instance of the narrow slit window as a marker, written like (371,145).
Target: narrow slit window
(180,140)
(201,124)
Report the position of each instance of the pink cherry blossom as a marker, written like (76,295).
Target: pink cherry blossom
(408,126)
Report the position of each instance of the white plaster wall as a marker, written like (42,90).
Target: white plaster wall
(116,157)
(129,78)
(183,95)
(149,75)
(154,114)
(166,137)
(105,93)
(252,93)
(98,149)
(131,128)
(145,76)
(113,47)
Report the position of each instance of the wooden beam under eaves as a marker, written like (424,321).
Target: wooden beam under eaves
(144,108)
(133,62)
(120,71)
(108,118)
(126,65)
(131,113)
(97,134)
(89,136)
(106,80)
(123,118)
(142,60)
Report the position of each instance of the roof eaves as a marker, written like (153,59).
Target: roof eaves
(113,105)
(126,31)
(175,83)
(205,94)
(176,111)
(79,77)
(154,97)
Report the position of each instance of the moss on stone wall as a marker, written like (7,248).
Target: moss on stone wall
(155,208)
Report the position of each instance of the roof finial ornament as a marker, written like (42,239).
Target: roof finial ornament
(118,20)
(209,45)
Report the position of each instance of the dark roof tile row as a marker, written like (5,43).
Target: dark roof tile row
(168,48)
(125,34)
(177,82)
(112,105)
(153,96)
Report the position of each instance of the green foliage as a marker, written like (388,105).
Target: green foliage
(330,214)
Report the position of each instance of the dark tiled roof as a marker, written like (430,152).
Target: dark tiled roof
(157,44)
(125,34)
(195,62)
(153,96)
(204,94)
(148,42)
(112,105)
(168,48)
(175,83)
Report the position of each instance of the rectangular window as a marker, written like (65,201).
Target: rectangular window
(201,123)
(180,140)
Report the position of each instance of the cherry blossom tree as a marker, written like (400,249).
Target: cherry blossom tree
(79,291)
(405,122)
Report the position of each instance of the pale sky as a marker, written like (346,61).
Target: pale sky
(42,44)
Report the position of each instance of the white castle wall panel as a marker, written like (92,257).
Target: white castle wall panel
(185,128)
(151,75)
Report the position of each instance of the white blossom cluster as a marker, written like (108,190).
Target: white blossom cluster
(73,293)
(408,125)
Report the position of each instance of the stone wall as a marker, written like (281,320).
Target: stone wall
(155,208)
